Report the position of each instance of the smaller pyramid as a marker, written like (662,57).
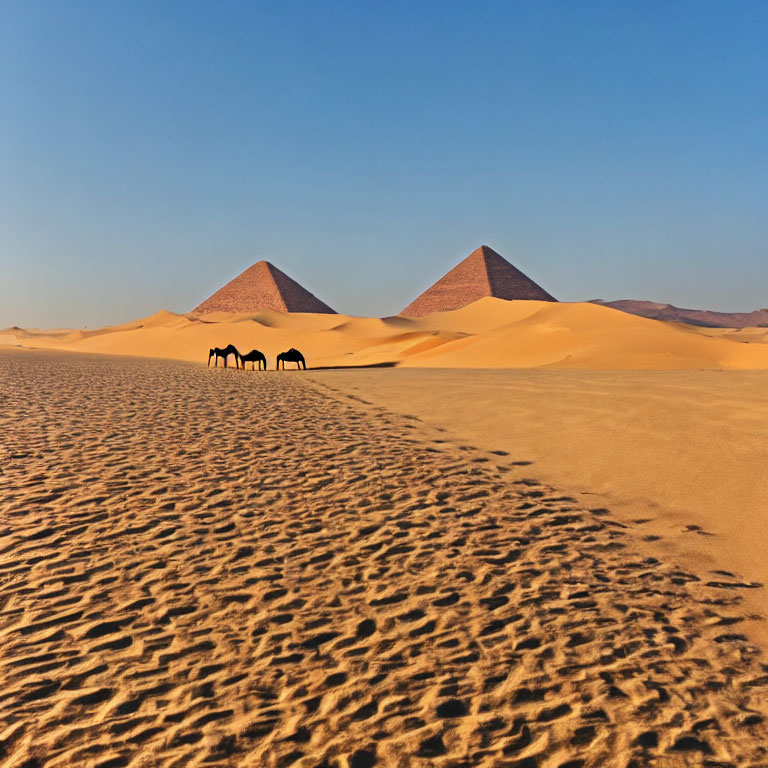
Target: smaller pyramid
(262,286)
(483,273)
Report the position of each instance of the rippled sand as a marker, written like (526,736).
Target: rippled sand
(679,457)
(211,567)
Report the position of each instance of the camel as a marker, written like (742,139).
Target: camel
(216,353)
(292,356)
(254,357)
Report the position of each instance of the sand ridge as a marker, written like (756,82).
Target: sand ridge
(489,333)
(205,567)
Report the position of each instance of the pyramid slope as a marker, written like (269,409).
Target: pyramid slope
(483,273)
(262,287)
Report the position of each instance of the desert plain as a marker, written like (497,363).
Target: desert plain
(521,534)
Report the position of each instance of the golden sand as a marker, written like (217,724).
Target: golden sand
(490,333)
(678,456)
(209,567)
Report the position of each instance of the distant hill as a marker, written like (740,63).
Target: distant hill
(701,317)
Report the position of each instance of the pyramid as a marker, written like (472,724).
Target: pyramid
(262,286)
(482,273)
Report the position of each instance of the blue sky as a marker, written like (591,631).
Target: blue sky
(150,151)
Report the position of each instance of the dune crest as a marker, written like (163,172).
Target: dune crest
(488,333)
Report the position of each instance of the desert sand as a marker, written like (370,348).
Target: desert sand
(538,541)
(489,333)
(212,567)
(677,456)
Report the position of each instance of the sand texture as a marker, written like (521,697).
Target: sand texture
(489,333)
(207,567)
(679,456)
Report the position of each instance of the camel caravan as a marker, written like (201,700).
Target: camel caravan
(254,357)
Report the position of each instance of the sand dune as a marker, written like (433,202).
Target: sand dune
(204,567)
(490,333)
(583,336)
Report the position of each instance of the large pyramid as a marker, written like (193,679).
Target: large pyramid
(482,273)
(262,286)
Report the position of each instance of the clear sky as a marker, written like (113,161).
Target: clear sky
(150,151)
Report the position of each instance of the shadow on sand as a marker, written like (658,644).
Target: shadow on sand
(343,367)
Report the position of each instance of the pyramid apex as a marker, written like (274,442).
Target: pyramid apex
(484,251)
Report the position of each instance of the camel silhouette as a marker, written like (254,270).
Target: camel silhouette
(292,356)
(254,357)
(216,353)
